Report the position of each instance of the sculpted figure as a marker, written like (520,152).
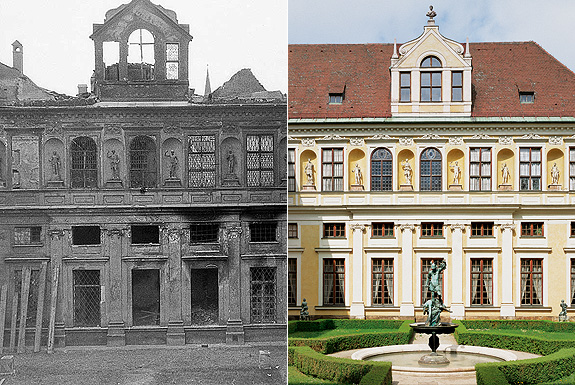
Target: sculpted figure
(505,174)
(432,282)
(309,172)
(357,172)
(55,163)
(563,312)
(114,163)
(407,172)
(173,163)
(456,172)
(433,308)
(554,174)
(231,162)
(304,313)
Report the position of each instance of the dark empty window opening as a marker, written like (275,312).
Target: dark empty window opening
(86,235)
(28,235)
(204,232)
(263,232)
(336,98)
(86,297)
(141,59)
(204,296)
(145,297)
(526,97)
(144,234)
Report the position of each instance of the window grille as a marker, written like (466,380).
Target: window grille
(291,169)
(430,179)
(263,294)
(332,169)
(530,169)
(202,161)
(263,232)
(381,170)
(531,281)
(334,281)
(204,232)
(143,169)
(172,61)
(28,235)
(382,281)
(87,293)
(480,169)
(260,160)
(481,281)
(292,281)
(425,268)
(84,163)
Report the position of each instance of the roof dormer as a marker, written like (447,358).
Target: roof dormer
(431,75)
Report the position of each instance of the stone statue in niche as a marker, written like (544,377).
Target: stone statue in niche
(309,172)
(357,172)
(456,172)
(231,163)
(555,174)
(173,164)
(407,172)
(114,163)
(505,174)
(55,163)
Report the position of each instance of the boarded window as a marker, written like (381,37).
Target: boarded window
(86,297)
(86,235)
(263,294)
(146,297)
(144,234)
(204,296)
(32,296)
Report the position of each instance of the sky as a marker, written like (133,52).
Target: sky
(228,35)
(547,22)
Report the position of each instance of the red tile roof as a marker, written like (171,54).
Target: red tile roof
(500,71)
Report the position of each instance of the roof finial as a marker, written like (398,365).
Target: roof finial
(394,56)
(431,14)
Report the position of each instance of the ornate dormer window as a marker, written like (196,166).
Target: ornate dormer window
(141,55)
(430,80)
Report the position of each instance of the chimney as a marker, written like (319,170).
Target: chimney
(82,89)
(18,56)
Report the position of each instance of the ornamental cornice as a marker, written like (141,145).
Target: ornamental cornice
(380,137)
(531,137)
(431,137)
(357,142)
(332,137)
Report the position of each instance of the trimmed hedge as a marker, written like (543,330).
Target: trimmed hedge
(531,344)
(532,371)
(341,370)
(329,324)
(330,345)
(542,325)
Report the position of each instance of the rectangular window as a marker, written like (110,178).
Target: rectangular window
(572,168)
(480,169)
(382,281)
(382,230)
(482,281)
(28,235)
(332,169)
(172,61)
(425,268)
(263,232)
(85,235)
(263,294)
(205,302)
(291,169)
(260,160)
(531,229)
(526,97)
(145,234)
(432,229)
(202,161)
(292,230)
(204,232)
(573,229)
(531,281)
(87,291)
(457,86)
(530,169)
(573,282)
(431,86)
(336,98)
(405,87)
(334,230)
(292,281)
(333,281)
(481,229)
(145,297)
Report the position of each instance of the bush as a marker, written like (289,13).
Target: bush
(329,324)
(542,325)
(341,370)
(489,375)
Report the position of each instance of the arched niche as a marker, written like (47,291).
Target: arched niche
(556,157)
(282,176)
(53,154)
(172,159)
(403,156)
(232,162)
(3,164)
(456,155)
(114,161)
(303,159)
(506,157)
(357,157)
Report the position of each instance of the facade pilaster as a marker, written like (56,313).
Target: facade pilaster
(175,334)
(407,308)
(457,272)
(57,242)
(235,328)
(357,309)
(115,238)
(507,305)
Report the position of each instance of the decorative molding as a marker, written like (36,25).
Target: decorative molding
(54,129)
(555,140)
(431,137)
(482,137)
(357,142)
(531,136)
(112,130)
(357,226)
(308,142)
(56,233)
(508,226)
(455,140)
(410,227)
(172,128)
(380,137)
(233,231)
(457,226)
(406,141)
(332,137)
(116,232)
(506,140)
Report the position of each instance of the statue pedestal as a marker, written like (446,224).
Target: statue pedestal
(405,187)
(114,183)
(231,180)
(455,187)
(554,187)
(357,187)
(563,318)
(173,182)
(55,184)
(308,187)
(505,187)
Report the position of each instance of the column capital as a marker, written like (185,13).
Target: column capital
(116,232)
(508,226)
(233,231)
(405,227)
(457,226)
(56,233)
(358,226)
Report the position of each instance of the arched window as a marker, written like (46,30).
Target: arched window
(431,80)
(143,170)
(84,163)
(381,170)
(141,55)
(430,170)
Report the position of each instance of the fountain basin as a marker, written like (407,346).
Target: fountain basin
(441,328)
(406,357)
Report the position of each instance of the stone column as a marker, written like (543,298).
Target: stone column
(235,328)
(507,305)
(116,326)
(457,271)
(175,334)
(357,309)
(406,308)
(57,240)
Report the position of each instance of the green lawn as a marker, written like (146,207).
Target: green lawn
(295,377)
(336,332)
